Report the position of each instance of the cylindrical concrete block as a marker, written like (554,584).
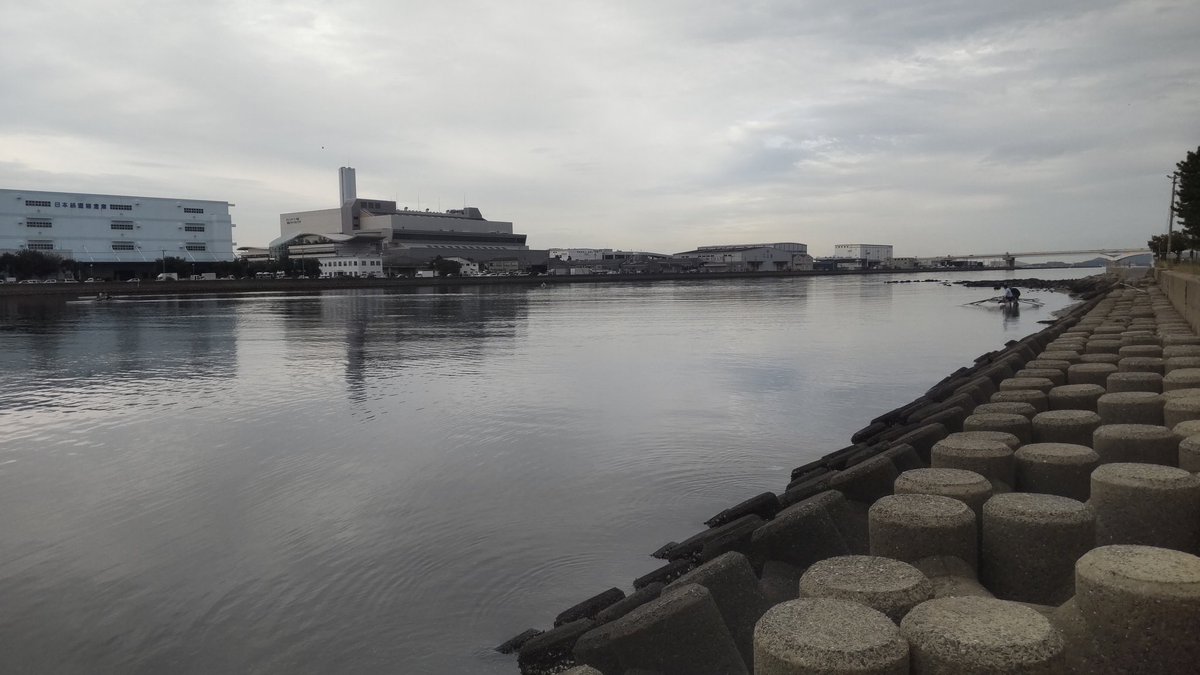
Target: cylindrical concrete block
(1062,469)
(990,458)
(1182,378)
(1030,544)
(1146,504)
(1055,375)
(1131,407)
(1100,358)
(883,584)
(967,487)
(1181,393)
(1075,397)
(1090,373)
(1145,443)
(1189,451)
(1171,351)
(1142,364)
(981,635)
(1017,383)
(1043,364)
(1186,428)
(1065,426)
(1184,339)
(1180,362)
(826,635)
(1141,350)
(1134,381)
(911,527)
(1034,397)
(1140,606)
(1024,409)
(1178,410)
(1101,346)
(1017,425)
(1069,356)
(1008,439)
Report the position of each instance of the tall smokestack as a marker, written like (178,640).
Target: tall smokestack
(346,181)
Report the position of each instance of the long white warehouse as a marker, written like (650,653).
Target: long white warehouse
(92,228)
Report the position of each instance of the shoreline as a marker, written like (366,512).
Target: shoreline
(121,288)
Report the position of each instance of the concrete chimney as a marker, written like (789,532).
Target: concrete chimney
(346,181)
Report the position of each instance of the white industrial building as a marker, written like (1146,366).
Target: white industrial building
(872,252)
(107,229)
(776,257)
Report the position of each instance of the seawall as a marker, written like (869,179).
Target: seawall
(1036,511)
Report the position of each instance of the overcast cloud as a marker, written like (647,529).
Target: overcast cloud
(935,125)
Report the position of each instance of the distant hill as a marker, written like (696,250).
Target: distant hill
(1144,260)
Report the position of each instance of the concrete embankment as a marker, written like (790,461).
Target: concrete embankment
(1035,512)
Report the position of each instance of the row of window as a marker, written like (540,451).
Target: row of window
(34,202)
(113,225)
(48,245)
(82,205)
(189,209)
(354,263)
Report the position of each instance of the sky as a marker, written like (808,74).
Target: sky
(938,126)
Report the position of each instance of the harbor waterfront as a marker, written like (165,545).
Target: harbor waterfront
(397,480)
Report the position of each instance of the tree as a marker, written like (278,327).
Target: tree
(1180,242)
(443,267)
(1187,194)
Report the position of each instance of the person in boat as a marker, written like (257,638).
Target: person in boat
(1008,294)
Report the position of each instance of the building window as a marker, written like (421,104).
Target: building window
(34,202)
(196,246)
(193,227)
(191,210)
(40,245)
(38,222)
(121,225)
(120,207)
(123,246)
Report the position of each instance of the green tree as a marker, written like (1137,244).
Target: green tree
(443,267)
(1187,194)
(1179,242)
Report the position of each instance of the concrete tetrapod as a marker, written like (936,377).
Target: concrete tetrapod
(734,588)
(883,584)
(1058,377)
(1137,608)
(826,635)
(1065,426)
(1062,469)
(1114,359)
(1034,397)
(1181,378)
(1134,381)
(1011,408)
(1178,410)
(1189,452)
(1017,425)
(1144,443)
(1075,397)
(911,527)
(967,635)
(993,459)
(1018,383)
(680,633)
(1146,504)
(967,487)
(1131,407)
(1142,364)
(951,577)
(1090,373)
(1030,544)
(1179,363)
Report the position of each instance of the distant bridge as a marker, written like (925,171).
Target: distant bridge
(1114,253)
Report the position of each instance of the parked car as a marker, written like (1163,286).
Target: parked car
(90,280)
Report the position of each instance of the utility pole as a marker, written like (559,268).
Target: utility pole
(1171,212)
(164,259)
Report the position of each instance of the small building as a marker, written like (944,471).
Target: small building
(777,257)
(467,268)
(351,266)
(877,253)
(579,254)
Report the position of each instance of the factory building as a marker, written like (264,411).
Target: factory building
(870,252)
(777,257)
(115,231)
(404,238)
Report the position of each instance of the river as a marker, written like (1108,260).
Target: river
(394,482)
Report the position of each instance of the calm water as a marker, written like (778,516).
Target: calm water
(378,482)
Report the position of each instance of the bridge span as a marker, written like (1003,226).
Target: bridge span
(1114,253)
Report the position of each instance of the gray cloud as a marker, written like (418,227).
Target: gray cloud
(655,126)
